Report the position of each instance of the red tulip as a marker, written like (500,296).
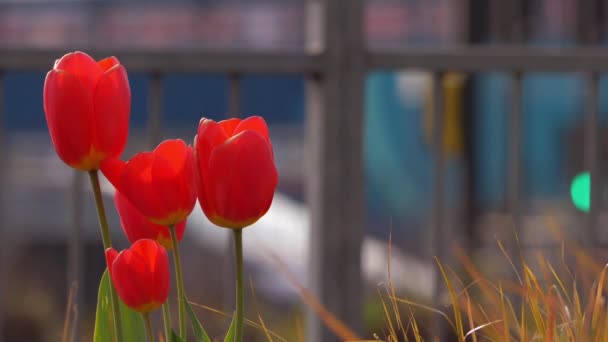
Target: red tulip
(160,184)
(87,107)
(140,275)
(136,226)
(236,175)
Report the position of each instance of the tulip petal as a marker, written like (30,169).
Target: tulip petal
(210,134)
(175,152)
(136,226)
(138,185)
(229,125)
(112,105)
(83,67)
(127,278)
(140,275)
(242,178)
(176,186)
(254,123)
(113,170)
(153,269)
(107,63)
(160,274)
(111,255)
(171,190)
(69,116)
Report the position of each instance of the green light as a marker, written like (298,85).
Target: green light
(580,191)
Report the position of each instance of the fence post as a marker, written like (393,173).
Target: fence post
(76,262)
(439,234)
(591,156)
(155,109)
(334,141)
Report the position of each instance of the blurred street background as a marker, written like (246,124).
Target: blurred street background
(46,205)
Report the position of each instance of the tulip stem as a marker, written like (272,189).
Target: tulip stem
(240,291)
(107,243)
(146,317)
(181,296)
(167,320)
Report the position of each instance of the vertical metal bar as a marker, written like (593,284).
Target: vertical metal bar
(438,234)
(587,22)
(3,154)
(154,112)
(591,155)
(75,251)
(334,141)
(234,108)
(514,156)
(234,95)
(507,21)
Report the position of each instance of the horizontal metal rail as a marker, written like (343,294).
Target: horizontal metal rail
(474,59)
(186,61)
(469,59)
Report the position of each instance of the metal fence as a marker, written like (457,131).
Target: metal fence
(335,64)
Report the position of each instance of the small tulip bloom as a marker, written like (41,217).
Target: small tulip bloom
(236,174)
(136,226)
(160,184)
(140,275)
(87,106)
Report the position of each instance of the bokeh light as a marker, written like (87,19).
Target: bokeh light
(580,191)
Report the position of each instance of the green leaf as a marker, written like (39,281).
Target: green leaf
(133,328)
(175,337)
(197,327)
(230,333)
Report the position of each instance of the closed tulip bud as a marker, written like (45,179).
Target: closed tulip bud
(87,106)
(136,226)
(140,275)
(160,184)
(236,174)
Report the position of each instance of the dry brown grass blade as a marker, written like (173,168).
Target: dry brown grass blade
(387,316)
(299,329)
(457,316)
(505,321)
(247,321)
(475,274)
(597,307)
(506,255)
(428,308)
(470,318)
(551,312)
(65,335)
(255,303)
(534,293)
(74,326)
(330,320)
(392,290)
(473,331)
(414,325)
(560,283)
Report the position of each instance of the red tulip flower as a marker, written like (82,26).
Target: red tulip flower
(160,184)
(87,107)
(140,275)
(236,174)
(136,226)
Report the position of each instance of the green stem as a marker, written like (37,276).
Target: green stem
(181,296)
(240,292)
(107,243)
(146,317)
(167,320)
